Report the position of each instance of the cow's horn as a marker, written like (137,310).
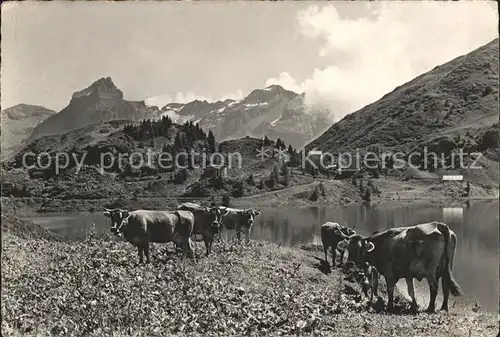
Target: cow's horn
(345,236)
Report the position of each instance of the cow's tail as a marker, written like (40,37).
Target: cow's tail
(450,242)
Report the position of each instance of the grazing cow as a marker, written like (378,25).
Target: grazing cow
(142,227)
(331,235)
(207,221)
(240,220)
(424,250)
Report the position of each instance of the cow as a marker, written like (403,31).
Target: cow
(421,251)
(143,226)
(330,236)
(239,220)
(207,221)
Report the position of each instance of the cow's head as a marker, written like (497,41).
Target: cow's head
(357,247)
(216,214)
(345,232)
(248,217)
(119,219)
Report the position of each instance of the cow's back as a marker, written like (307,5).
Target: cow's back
(328,236)
(159,225)
(382,254)
(200,216)
(184,222)
(230,219)
(415,246)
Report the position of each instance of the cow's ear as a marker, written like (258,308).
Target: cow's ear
(224,212)
(256,212)
(342,245)
(125,215)
(337,232)
(107,213)
(369,247)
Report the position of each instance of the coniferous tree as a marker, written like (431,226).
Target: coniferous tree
(211,141)
(178,141)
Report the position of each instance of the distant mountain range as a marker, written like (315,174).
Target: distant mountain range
(456,99)
(273,112)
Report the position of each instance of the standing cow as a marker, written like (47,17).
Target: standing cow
(142,227)
(424,250)
(207,221)
(331,234)
(240,220)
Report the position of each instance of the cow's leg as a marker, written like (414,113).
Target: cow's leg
(238,234)
(146,251)
(325,248)
(375,284)
(334,256)
(341,254)
(391,284)
(433,287)
(190,249)
(411,292)
(371,290)
(220,237)
(446,294)
(210,245)
(140,251)
(247,235)
(206,239)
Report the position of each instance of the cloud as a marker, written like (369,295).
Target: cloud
(181,97)
(369,57)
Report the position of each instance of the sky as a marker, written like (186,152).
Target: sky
(343,55)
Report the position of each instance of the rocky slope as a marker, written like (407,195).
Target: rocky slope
(18,123)
(83,152)
(458,96)
(272,111)
(101,101)
(452,107)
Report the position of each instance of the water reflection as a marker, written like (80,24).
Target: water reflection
(476,226)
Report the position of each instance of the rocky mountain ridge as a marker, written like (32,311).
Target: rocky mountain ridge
(18,123)
(272,111)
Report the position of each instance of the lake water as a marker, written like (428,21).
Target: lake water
(476,226)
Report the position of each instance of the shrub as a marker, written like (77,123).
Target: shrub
(368,195)
(251,180)
(225,200)
(239,190)
(181,176)
(314,196)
